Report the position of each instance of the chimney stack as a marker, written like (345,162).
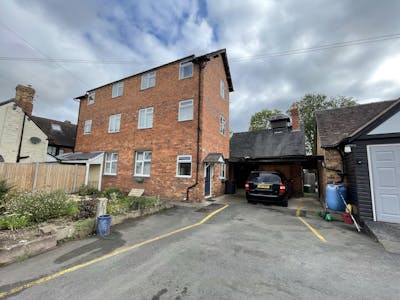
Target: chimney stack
(294,112)
(24,97)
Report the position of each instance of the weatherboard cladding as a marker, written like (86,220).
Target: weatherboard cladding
(265,144)
(335,125)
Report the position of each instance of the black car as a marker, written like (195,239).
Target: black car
(266,186)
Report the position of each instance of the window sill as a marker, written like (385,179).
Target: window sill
(113,175)
(185,120)
(87,133)
(182,78)
(140,176)
(145,128)
(182,176)
(113,132)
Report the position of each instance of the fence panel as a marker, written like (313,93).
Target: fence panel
(43,176)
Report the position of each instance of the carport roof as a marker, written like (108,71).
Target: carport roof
(267,144)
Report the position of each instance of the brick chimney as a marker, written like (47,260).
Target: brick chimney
(294,112)
(24,97)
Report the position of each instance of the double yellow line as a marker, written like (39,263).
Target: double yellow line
(109,255)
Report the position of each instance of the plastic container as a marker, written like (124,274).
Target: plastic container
(307,188)
(333,198)
(230,187)
(347,218)
(103,225)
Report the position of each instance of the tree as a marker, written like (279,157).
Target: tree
(260,120)
(311,103)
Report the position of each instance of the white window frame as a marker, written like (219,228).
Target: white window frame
(52,150)
(185,104)
(148,80)
(87,128)
(109,159)
(222,171)
(222,89)
(91,97)
(144,115)
(142,162)
(222,125)
(114,123)
(183,159)
(117,89)
(182,65)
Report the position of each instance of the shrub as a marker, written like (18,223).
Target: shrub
(88,191)
(41,206)
(86,208)
(14,221)
(4,189)
(114,193)
(135,203)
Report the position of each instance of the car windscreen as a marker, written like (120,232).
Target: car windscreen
(271,178)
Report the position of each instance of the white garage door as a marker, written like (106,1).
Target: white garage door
(384,163)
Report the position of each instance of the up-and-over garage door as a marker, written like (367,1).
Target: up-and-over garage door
(384,163)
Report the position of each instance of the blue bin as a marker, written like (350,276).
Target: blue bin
(103,225)
(333,197)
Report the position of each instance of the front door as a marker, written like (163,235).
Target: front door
(207,181)
(385,179)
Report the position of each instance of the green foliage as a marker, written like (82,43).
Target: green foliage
(136,203)
(311,103)
(86,209)
(260,120)
(84,227)
(14,221)
(4,189)
(41,206)
(88,191)
(114,192)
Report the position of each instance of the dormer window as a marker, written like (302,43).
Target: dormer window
(91,97)
(55,127)
(185,70)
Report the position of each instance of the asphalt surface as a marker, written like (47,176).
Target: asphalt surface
(244,252)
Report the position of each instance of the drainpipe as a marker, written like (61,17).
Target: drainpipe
(201,61)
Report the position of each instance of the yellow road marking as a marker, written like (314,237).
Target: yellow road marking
(298,208)
(316,233)
(109,255)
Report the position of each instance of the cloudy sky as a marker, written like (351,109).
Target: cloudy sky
(277,50)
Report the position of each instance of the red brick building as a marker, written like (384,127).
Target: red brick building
(165,130)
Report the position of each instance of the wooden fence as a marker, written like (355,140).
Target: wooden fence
(43,176)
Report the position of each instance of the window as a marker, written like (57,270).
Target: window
(142,163)
(88,127)
(117,89)
(148,80)
(184,166)
(60,151)
(222,125)
(222,170)
(145,118)
(52,150)
(114,123)
(55,127)
(222,89)
(110,167)
(185,70)
(91,97)
(185,110)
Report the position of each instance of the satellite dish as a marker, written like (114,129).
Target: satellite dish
(35,140)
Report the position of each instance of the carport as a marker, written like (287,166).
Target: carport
(281,148)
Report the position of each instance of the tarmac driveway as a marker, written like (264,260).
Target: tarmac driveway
(244,251)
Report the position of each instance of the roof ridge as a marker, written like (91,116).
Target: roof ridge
(357,105)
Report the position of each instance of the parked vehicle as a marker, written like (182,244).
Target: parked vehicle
(267,186)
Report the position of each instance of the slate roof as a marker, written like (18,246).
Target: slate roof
(66,137)
(266,144)
(72,156)
(335,125)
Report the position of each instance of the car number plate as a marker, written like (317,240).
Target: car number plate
(264,186)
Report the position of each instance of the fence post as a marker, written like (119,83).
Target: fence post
(35,177)
(75,177)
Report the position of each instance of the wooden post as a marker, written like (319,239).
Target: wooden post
(35,177)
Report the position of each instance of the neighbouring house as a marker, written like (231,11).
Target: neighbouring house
(164,130)
(361,147)
(281,148)
(26,138)
(61,135)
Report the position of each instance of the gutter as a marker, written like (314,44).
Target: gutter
(201,61)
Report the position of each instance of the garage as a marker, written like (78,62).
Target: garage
(384,161)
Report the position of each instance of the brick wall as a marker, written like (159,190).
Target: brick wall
(166,139)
